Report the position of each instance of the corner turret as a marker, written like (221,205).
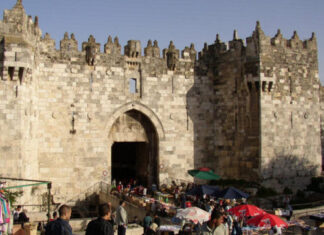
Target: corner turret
(19,23)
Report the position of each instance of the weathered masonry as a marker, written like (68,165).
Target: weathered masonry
(247,109)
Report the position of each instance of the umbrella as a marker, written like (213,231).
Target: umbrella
(194,214)
(267,220)
(232,193)
(204,190)
(246,210)
(204,173)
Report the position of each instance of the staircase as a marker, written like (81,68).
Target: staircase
(86,204)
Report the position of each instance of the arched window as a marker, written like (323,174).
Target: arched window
(133,85)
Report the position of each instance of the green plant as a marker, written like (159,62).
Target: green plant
(12,196)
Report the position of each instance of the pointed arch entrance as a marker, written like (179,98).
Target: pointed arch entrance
(134,148)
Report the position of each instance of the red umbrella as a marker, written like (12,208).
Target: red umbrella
(267,220)
(204,169)
(246,210)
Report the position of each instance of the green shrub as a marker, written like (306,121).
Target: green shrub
(12,196)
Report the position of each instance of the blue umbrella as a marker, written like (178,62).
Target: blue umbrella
(232,193)
(204,189)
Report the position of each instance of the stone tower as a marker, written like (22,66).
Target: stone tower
(19,42)
(266,107)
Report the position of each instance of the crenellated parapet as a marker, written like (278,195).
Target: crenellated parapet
(152,50)
(20,37)
(48,43)
(112,48)
(260,48)
(68,45)
(189,53)
(91,48)
(133,49)
(254,44)
(171,55)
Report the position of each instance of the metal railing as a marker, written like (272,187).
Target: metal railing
(306,212)
(99,187)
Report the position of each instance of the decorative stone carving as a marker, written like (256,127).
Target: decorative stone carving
(185,53)
(156,49)
(193,52)
(148,51)
(67,44)
(49,42)
(91,48)
(172,55)
(19,4)
(133,48)
(189,53)
(117,45)
(109,46)
(112,48)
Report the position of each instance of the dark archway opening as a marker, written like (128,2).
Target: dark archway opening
(129,161)
(134,152)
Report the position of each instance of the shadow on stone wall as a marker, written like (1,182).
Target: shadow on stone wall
(282,170)
(200,112)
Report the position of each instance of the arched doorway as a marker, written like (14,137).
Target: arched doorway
(134,148)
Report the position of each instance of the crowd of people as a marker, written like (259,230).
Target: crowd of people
(221,222)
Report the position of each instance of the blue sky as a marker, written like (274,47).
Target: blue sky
(183,21)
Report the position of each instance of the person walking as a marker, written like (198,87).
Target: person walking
(147,221)
(121,218)
(101,226)
(215,225)
(61,225)
(16,213)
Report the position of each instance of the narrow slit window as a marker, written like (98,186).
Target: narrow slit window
(270,86)
(132,85)
(250,86)
(264,83)
(11,71)
(257,86)
(21,75)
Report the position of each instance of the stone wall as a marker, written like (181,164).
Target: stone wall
(244,108)
(266,108)
(94,94)
(290,104)
(233,68)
